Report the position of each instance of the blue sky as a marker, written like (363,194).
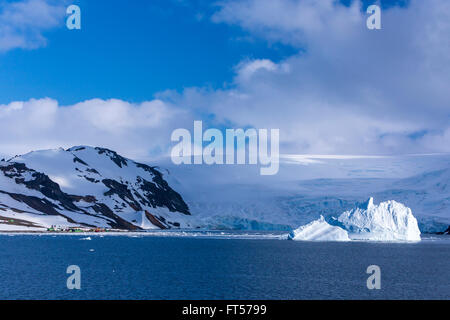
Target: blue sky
(130,50)
(137,70)
(133,49)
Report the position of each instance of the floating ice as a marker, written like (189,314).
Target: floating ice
(388,221)
(319,230)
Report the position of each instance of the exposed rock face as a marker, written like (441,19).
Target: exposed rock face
(447,231)
(90,187)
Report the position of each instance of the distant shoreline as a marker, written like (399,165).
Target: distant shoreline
(208,234)
(63,232)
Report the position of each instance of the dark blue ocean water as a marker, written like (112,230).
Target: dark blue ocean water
(149,267)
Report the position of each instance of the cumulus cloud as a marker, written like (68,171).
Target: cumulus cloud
(136,130)
(246,69)
(347,90)
(22,23)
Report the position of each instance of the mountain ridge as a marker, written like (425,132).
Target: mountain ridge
(89,186)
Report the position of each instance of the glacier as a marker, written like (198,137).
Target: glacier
(319,230)
(86,186)
(388,221)
(236,197)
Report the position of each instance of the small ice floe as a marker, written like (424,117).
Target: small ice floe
(87,238)
(91,250)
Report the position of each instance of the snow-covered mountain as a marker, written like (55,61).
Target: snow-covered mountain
(86,186)
(97,187)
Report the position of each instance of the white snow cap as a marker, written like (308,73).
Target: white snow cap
(388,221)
(319,230)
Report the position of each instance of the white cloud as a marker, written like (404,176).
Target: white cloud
(136,130)
(22,23)
(348,90)
(246,69)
